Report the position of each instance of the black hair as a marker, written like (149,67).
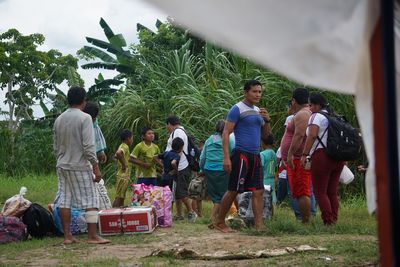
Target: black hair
(177,144)
(301,96)
(125,134)
(173,120)
(219,128)
(92,109)
(144,130)
(76,95)
(318,99)
(247,86)
(268,140)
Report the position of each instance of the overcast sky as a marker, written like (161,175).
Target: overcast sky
(66,23)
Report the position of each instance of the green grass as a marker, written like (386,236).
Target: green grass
(351,242)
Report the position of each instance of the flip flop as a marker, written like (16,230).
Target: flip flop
(99,242)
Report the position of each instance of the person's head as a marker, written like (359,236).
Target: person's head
(92,109)
(126,136)
(299,98)
(219,128)
(76,97)
(317,102)
(290,110)
(177,145)
(172,123)
(147,134)
(268,140)
(252,91)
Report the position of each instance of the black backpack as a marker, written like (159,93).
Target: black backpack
(39,221)
(344,142)
(194,152)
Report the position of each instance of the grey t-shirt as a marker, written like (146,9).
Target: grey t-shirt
(74,145)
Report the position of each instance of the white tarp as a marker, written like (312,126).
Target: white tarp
(322,43)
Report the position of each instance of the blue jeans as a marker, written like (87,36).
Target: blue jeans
(282,191)
(295,205)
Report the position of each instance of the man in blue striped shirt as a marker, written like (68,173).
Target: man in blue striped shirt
(248,122)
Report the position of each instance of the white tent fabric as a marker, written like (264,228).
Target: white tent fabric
(322,43)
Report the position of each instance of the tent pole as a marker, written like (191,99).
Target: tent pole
(385,131)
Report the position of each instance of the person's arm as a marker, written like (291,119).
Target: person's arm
(89,148)
(300,123)
(157,160)
(231,144)
(119,155)
(139,162)
(174,164)
(100,145)
(101,155)
(228,129)
(134,158)
(267,120)
(276,173)
(312,135)
(55,140)
(203,157)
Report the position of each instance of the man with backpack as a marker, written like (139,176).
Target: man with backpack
(182,182)
(77,166)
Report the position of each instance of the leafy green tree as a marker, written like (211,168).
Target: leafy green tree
(28,75)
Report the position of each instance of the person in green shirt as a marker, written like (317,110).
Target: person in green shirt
(143,157)
(124,168)
(269,164)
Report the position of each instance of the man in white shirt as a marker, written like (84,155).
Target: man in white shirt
(181,185)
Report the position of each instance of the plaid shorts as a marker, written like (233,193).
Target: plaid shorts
(76,189)
(104,200)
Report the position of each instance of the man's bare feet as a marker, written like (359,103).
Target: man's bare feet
(222,227)
(71,240)
(98,240)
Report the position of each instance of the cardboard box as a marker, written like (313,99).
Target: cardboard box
(127,220)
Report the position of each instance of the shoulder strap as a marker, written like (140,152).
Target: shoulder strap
(323,134)
(186,155)
(176,129)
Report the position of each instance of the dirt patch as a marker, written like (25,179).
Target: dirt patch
(132,252)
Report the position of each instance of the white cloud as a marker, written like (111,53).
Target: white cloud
(65,24)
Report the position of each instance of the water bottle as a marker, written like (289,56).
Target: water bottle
(192,153)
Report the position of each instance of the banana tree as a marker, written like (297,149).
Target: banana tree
(111,55)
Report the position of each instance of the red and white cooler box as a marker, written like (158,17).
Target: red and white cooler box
(127,220)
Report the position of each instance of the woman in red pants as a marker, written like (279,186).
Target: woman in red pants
(325,172)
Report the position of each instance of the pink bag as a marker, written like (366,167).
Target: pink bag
(157,196)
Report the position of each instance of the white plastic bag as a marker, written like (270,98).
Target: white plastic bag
(16,205)
(346,176)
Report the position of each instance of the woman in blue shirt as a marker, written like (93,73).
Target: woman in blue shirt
(211,163)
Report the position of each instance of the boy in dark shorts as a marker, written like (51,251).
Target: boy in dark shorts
(170,162)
